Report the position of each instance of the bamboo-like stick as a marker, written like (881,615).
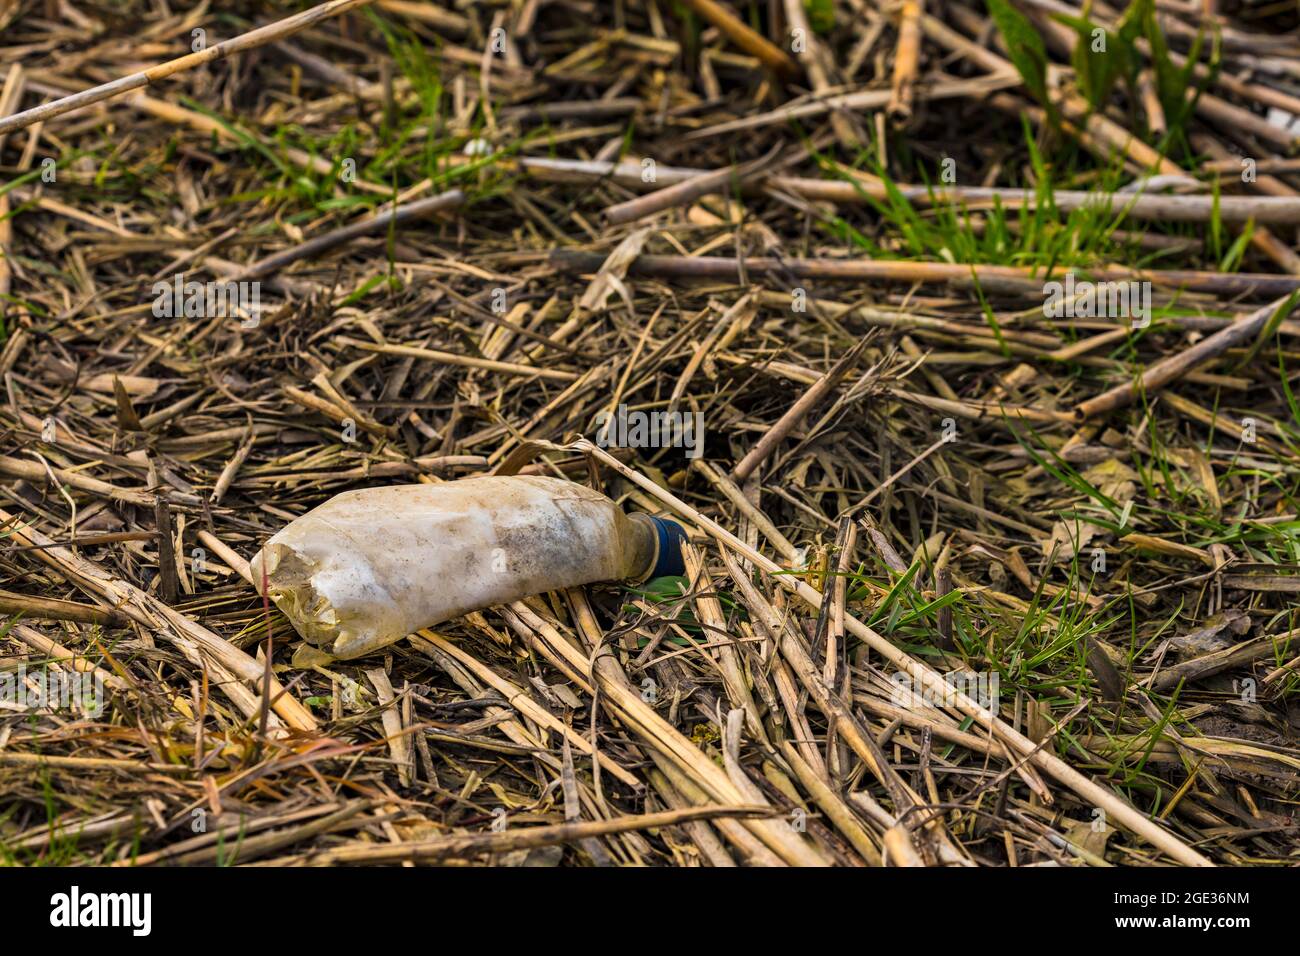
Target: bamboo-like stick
(1231,165)
(1234,209)
(1018,279)
(247,41)
(52,609)
(1280,210)
(795,414)
(1151,106)
(33,471)
(371,225)
(771,55)
(233,559)
(683,192)
(85,540)
(467,361)
(1235,121)
(859,100)
(79,662)
(11,95)
(1175,366)
(907,59)
(359,853)
(168,580)
(818,65)
(430,13)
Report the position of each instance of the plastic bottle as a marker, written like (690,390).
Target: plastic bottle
(369,567)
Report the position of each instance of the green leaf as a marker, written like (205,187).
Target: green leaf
(663,590)
(1172,83)
(1237,251)
(1026,48)
(821,15)
(1100,58)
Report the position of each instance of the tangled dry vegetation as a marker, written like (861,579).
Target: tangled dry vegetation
(909,468)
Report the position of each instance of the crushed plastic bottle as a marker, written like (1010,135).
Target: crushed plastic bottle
(369,567)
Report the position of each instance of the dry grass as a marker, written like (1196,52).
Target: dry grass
(896,478)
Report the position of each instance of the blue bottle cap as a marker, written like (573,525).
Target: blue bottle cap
(671,536)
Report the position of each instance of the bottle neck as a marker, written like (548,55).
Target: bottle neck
(642,549)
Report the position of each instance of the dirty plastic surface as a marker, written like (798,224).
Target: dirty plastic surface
(369,567)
